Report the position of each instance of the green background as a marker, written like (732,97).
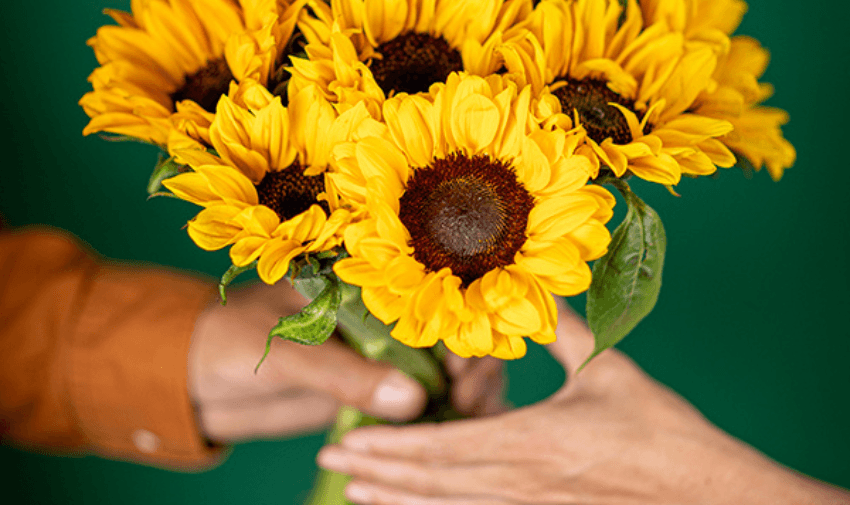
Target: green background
(751,325)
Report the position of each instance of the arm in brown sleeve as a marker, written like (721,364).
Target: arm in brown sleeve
(93,356)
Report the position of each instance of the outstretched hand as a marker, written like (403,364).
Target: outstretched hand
(610,435)
(299,388)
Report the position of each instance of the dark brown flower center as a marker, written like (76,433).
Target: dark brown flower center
(289,192)
(465,213)
(590,97)
(412,62)
(206,86)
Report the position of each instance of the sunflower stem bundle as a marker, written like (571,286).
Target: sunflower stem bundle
(371,338)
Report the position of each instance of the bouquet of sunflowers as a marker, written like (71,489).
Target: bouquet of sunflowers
(430,173)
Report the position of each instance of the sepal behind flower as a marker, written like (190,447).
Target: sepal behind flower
(314,324)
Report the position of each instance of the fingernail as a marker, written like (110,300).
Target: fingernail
(358,493)
(396,396)
(332,459)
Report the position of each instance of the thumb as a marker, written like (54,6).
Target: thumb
(375,388)
(574,342)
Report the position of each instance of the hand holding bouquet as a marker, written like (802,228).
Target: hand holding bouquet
(430,174)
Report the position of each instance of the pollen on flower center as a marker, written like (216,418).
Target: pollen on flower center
(466,213)
(289,192)
(590,97)
(207,85)
(412,62)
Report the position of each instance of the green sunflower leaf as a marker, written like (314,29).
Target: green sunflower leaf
(228,277)
(627,280)
(164,169)
(314,324)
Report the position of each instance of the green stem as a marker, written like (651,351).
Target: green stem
(329,488)
(621,185)
(371,338)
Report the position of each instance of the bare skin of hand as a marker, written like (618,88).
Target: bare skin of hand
(611,435)
(299,388)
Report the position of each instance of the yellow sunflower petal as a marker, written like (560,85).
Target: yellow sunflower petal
(358,272)
(274,262)
(508,347)
(383,19)
(382,303)
(403,275)
(555,218)
(474,122)
(247,249)
(258,220)
(213,227)
(229,184)
(556,259)
(663,169)
(192,187)
(412,128)
(474,338)
(379,158)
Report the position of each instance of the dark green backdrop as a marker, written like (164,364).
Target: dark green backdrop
(751,325)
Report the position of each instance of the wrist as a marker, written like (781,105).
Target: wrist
(747,476)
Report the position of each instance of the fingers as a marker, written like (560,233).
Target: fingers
(455,442)
(366,493)
(608,372)
(574,342)
(267,418)
(421,478)
(337,370)
(477,385)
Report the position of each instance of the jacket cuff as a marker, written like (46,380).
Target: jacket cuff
(127,368)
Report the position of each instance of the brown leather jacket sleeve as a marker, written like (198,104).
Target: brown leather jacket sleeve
(93,356)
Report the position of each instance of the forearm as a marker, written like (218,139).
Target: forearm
(729,472)
(757,480)
(95,354)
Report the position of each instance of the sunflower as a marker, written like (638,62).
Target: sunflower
(477,215)
(757,133)
(368,50)
(709,21)
(628,86)
(167,64)
(264,193)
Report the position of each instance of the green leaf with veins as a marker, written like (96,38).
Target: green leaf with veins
(627,280)
(314,324)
